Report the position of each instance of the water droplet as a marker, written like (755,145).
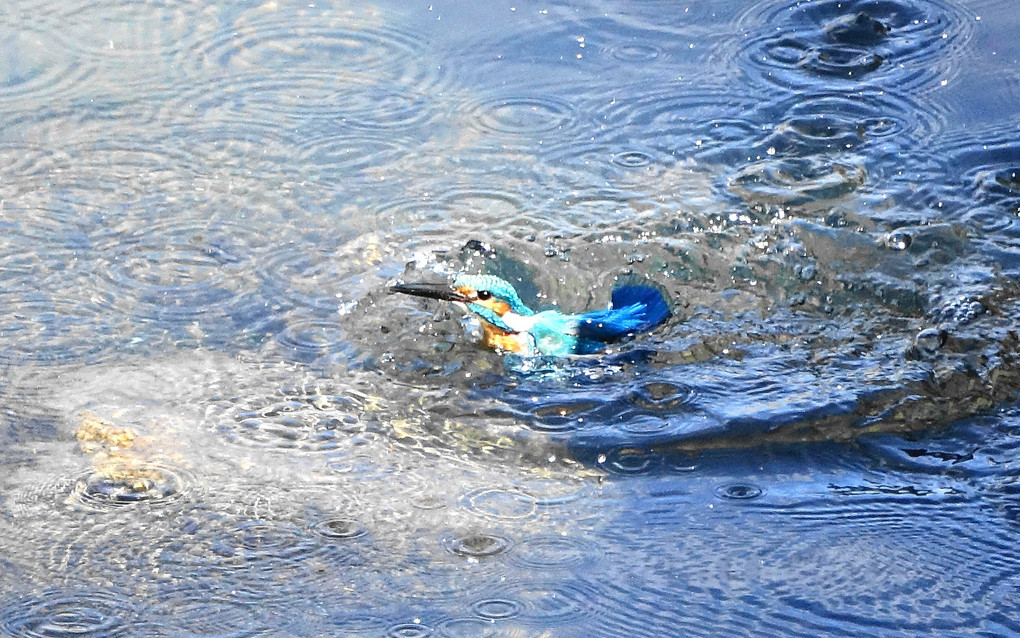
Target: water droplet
(476,545)
(660,395)
(304,419)
(340,529)
(631,461)
(632,159)
(429,502)
(312,337)
(796,180)
(857,30)
(409,630)
(496,608)
(59,613)
(739,491)
(124,484)
(636,52)
(898,239)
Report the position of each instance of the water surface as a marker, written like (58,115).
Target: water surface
(217,421)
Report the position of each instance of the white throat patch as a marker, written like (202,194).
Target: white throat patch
(518,323)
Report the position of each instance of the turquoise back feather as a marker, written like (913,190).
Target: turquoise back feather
(555,333)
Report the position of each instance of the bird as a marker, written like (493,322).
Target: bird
(510,326)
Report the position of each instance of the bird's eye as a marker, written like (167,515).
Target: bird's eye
(484,294)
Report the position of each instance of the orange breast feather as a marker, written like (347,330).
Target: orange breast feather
(502,340)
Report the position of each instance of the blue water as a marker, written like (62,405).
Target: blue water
(217,421)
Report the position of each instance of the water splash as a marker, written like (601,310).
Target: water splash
(129,485)
(340,529)
(797,181)
(310,419)
(839,122)
(476,545)
(63,612)
(854,44)
(409,630)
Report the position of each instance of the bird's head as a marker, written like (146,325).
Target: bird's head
(488,297)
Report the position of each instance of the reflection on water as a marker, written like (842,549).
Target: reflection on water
(216,420)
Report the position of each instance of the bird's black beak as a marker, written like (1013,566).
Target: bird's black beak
(446,292)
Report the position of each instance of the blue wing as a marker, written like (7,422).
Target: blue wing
(633,309)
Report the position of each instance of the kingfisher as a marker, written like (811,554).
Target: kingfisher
(509,326)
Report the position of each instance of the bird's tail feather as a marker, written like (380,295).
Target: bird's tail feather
(656,308)
(634,309)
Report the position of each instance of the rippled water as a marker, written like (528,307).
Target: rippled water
(217,421)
